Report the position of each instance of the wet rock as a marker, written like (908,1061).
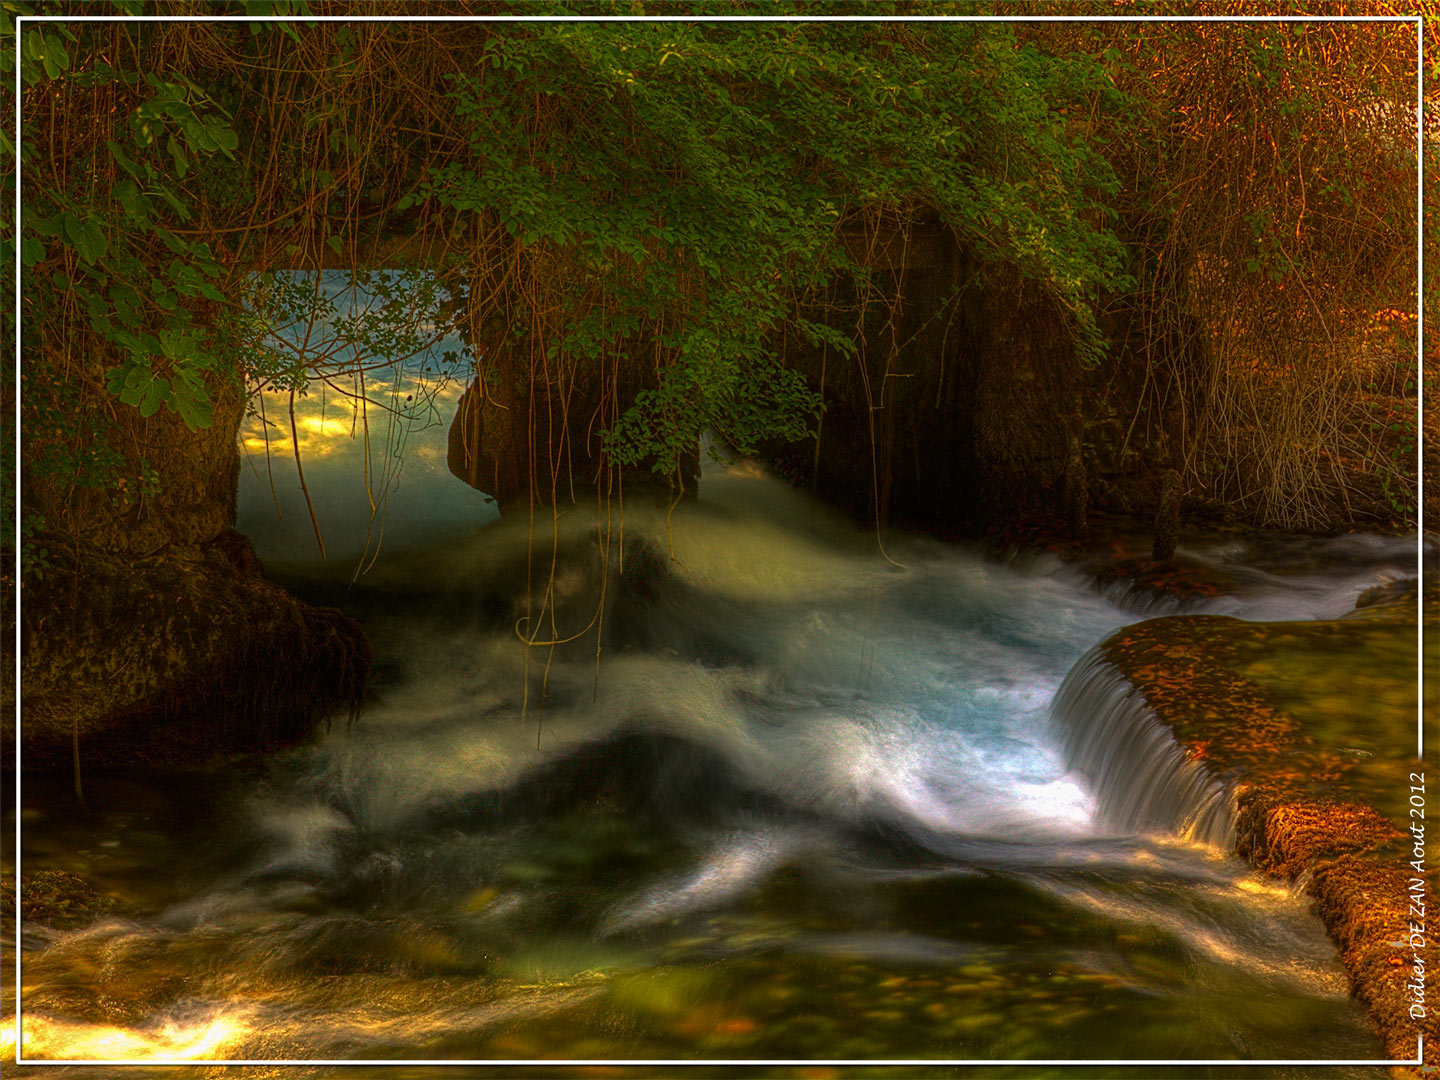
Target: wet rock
(171,659)
(61,899)
(233,549)
(1319,779)
(1390,592)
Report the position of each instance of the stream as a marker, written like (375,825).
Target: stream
(804,800)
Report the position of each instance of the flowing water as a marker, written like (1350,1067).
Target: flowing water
(802,801)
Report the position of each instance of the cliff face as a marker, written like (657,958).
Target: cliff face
(967,408)
(152,634)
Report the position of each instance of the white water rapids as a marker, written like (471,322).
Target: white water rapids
(796,773)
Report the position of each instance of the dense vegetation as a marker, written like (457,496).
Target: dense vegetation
(680,199)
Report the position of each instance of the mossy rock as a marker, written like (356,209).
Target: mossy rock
(1309,724)
(176,658)
(62,899)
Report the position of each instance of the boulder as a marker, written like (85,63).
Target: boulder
(171,658)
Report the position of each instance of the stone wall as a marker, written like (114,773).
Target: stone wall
(1319,780)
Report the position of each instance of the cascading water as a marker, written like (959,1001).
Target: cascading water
(799,802)
(1141,778)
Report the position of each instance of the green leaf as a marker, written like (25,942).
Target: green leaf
(92,243)
(177,345)
(196,412)
(55,49)
(127,193)
(156,394)
(123,160)
(197,135)
(172,144)
(180,211)
(74,230)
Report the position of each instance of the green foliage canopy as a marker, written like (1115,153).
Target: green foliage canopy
(676,199)
(697,181)
(705,176)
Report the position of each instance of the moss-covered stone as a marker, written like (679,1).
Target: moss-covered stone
(176,658)
(60,898)
(1308,723)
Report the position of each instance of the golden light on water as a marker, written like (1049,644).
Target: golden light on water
(58,1040)
(327,424)
(323,431)
(362,465)
(257,444)
(1257,887)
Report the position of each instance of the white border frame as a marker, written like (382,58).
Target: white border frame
(1420,738)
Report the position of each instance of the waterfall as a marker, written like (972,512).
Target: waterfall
(1140,776)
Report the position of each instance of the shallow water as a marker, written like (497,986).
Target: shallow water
(803,801)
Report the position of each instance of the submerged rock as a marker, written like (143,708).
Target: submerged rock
(60,898)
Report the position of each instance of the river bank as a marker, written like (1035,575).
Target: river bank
(1300,729)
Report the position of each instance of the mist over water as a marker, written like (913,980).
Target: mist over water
(802,799)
